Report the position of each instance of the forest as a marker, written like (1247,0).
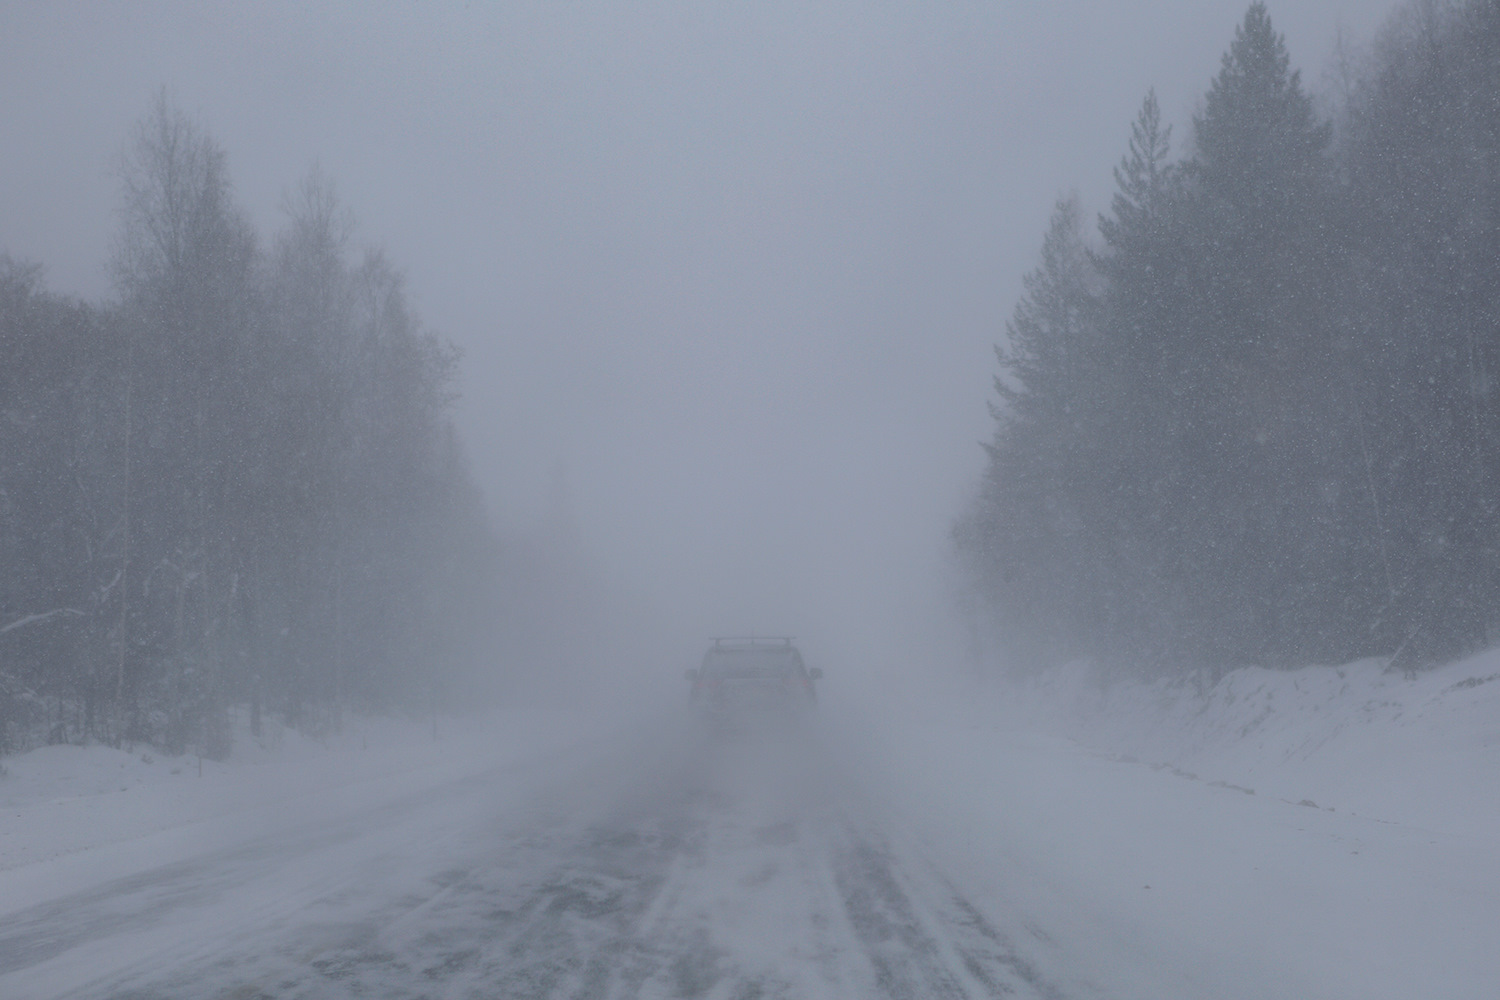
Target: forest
(1250,416)
(1247,415)
(236,483)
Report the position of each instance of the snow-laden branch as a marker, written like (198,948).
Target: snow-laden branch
(102,594)
(37,619)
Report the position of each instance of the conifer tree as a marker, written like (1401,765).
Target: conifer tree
(1422,152)
(1033,532)
(1259,145)
(1260,423)
(1146,263)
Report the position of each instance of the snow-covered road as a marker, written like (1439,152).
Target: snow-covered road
(653,864)
(931,853)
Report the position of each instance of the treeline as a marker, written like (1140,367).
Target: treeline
(1256,419)
(235,484)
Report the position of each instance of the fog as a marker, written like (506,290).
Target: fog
(894,524)
(726,277)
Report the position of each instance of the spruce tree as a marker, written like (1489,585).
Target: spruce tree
(1147,267)
(1422,152)
(1032,535)
(1262,425)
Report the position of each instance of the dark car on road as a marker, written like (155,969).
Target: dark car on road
(744,678)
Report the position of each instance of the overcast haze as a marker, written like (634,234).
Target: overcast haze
(730,272)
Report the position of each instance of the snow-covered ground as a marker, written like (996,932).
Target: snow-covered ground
(77,821)
(70,807)
(1327,832)
(1421,751)
(1324,833)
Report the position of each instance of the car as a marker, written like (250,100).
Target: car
(757,677)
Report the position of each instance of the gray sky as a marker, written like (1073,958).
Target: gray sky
(735,269)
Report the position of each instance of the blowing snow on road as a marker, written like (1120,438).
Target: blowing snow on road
(674,864)
(931,853)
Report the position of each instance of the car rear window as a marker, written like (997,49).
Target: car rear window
(732,664)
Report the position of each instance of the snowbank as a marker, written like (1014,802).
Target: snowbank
(1319,833)
(74,816)
(1421,750)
